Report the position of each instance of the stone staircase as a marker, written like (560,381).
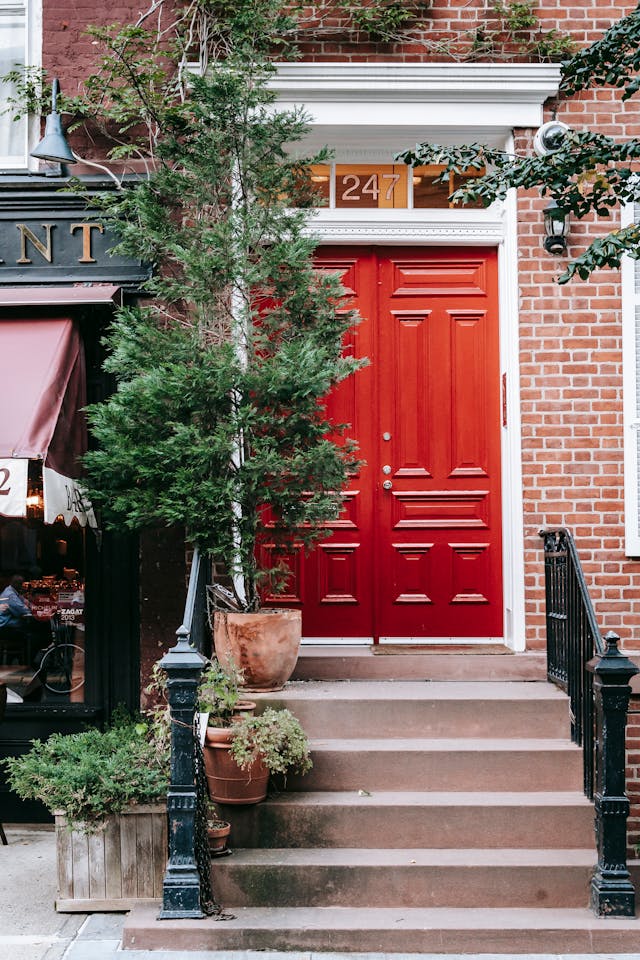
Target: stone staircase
(441,816)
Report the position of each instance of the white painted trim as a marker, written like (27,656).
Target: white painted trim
(512,494)
(629,393)
(425,227)
(382,101)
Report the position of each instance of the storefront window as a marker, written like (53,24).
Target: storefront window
(13,39)
(42,654)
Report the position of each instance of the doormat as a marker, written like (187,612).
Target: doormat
(393,649)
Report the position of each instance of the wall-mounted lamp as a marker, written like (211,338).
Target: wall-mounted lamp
(556,227)
(54,147)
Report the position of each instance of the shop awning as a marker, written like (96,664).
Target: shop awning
(42,396)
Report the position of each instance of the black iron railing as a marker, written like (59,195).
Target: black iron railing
(595,675)
(573,639)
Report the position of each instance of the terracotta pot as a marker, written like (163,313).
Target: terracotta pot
(263,645)
(226,781)
(218,837)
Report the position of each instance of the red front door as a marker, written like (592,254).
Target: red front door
(417,551)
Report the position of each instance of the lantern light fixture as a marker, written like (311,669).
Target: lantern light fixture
(556,227)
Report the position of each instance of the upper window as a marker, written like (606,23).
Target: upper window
(13,53)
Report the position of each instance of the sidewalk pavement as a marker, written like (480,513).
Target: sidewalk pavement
(30,928)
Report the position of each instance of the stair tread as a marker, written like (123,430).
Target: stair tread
(444,744)
(508,690)
(449,857)
(399,798)
(384,918)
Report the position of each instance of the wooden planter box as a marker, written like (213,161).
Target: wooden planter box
(120,864)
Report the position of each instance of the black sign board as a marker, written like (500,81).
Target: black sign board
(51,237)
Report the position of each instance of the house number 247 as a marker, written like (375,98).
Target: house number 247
(358,188)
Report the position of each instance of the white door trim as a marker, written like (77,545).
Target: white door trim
(370,112)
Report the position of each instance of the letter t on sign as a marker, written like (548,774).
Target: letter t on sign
(86,239)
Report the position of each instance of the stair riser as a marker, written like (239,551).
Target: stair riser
(429,718)
(521,940)
(435,665)
(373,826)
(308,885)
(441,770)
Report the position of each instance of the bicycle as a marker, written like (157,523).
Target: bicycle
(61,668)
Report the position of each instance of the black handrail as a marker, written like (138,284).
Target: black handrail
(194,620)
(573,639)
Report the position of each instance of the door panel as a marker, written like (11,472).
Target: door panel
(421,558)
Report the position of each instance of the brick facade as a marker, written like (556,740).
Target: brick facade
(570,337)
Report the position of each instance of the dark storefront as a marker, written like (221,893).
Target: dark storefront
(77,657)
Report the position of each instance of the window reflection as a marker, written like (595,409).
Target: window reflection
(42,655)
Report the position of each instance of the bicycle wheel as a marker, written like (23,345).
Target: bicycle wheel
(62,668)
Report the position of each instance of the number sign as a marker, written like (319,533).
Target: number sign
(13,487)
(381,186)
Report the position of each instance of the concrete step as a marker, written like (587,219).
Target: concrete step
(396,930)
(425,709)
(442,764)
(356,877)
(418,818)
(457,662)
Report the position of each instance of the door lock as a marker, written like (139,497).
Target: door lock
(387,484)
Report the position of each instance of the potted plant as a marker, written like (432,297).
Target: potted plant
(217,422)
(218,831)
(240,758)
(219,694)
(107,790)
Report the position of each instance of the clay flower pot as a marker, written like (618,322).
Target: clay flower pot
(218,836)
(264,646)
(226,781)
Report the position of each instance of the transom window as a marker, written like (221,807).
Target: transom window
(351,186)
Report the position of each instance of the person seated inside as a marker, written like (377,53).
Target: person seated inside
(15,618)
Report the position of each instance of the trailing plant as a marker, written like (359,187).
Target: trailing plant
(95,773)
(589,172)
(276,738)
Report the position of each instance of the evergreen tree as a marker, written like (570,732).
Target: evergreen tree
(218,420)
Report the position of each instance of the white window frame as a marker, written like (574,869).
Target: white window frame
(631,390)
(32,55)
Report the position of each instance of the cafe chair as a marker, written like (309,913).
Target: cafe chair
(3,704)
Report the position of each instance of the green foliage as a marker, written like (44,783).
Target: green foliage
(276,737)
(218,415)
(517,25)
(219,692)
(590,173)
(92,774)
(382,20)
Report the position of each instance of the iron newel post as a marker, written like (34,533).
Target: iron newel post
(612,893)
(181,885)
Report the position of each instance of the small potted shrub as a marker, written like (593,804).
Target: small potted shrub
(240,758)
(218,831)
(107,790)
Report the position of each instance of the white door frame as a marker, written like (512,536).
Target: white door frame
(367,113)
